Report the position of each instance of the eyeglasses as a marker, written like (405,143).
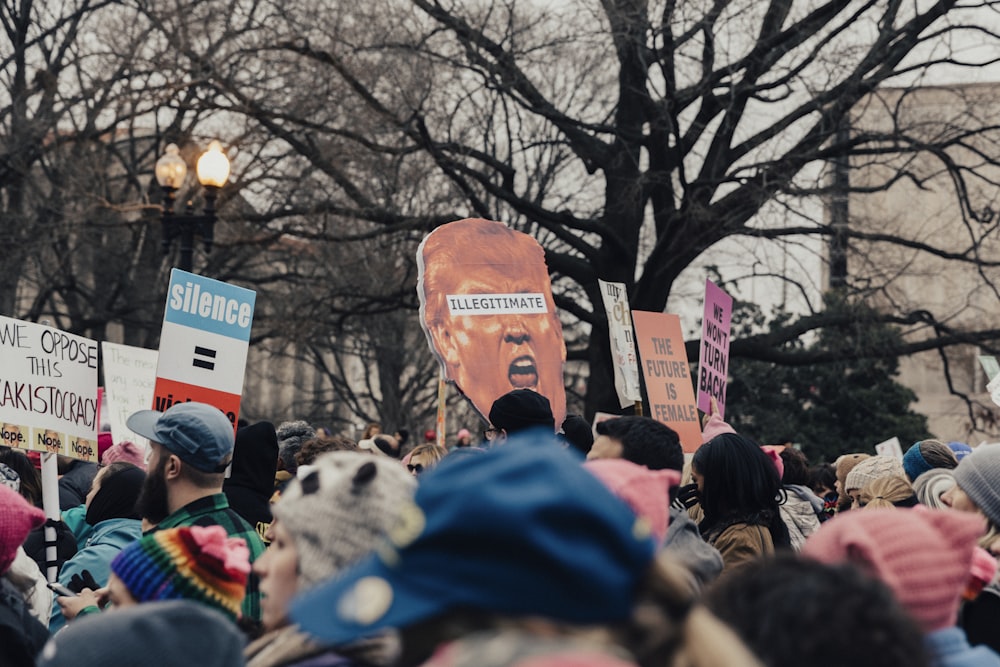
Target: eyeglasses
(418,468)
(491,433)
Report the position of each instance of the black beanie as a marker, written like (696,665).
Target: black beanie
(521,409)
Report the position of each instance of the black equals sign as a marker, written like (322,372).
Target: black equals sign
(204,363)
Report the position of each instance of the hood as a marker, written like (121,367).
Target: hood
(255,459)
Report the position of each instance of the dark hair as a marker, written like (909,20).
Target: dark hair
(823,476)
(794,611)
(796,467)
(577,432)
(313,447)
(741,485)
(645,442)
(31,479)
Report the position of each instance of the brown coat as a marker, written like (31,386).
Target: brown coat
(741,543)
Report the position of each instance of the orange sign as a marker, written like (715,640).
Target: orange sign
(668,375)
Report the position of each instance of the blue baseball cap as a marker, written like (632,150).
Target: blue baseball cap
(521,529)
(198,433)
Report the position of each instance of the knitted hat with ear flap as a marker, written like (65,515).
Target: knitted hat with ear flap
(17,518)
(338,510)
(924,556)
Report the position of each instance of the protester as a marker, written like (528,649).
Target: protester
(823,482)
(517,411)
(844,465)
(507,558)
(646,442)
(888,492)
(977,490)
(371,430)
(176,633)
(793,612)
(927,455)
(424,458)
(867,471)
(326,521)
(802,510)
(125,450)
(111,511)
(646,491)
(925,557)
(738,488)
(251,481)
(577,433)
(641,440)
(462,439)
(75,479)
(291,436)
(191,446)
(933,484)
(21,634)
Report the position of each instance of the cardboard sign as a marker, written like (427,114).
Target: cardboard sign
(890,447)
(668,379)
(129,379)
(48,390)
(623,357)
(487,310)
(990,366)
(204,343)
(713,362)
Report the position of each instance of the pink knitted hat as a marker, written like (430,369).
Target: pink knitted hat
(127,451)
(923,555)
(646,491)
(774,453)
(17,518)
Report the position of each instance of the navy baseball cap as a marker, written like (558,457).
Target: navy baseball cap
(198,433)
(518,530)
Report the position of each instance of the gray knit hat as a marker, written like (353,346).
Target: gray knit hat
(338,509)
(291,435)
(871,469)
(932,484)
(979,476)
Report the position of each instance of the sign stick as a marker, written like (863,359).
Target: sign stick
(442,395)
(50,503)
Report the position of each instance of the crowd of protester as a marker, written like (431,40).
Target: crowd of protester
(536,544)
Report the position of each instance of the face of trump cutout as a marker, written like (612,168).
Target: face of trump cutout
(486,307)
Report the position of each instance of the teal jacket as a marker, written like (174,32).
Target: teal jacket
(108,538)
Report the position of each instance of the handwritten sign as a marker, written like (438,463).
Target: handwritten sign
(891,448)
(623,357)
(668,379)
(129,378)
(203,343)
(48,390)
(713,364)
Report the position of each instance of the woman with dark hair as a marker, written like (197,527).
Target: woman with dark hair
(738,490)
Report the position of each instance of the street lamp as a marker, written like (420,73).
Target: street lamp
(213,173)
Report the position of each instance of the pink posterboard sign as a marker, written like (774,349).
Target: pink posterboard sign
(713,362)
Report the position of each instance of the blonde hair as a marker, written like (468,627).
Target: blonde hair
(885,492)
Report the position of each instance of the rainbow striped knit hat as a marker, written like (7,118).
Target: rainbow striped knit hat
(200,563)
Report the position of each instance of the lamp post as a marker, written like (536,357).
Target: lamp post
(213,173)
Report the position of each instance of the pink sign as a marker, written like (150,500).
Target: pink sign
(713,363)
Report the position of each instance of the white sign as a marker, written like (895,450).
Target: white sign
(891,448)
(48,389)
(496,304)
(129,378)
(623,356)
(203,343)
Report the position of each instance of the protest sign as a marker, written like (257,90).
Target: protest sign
(713,364)
(48,392)
(891,448)
(487,310)
(203,343)
(129,378)
(668,378)
(623,357)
